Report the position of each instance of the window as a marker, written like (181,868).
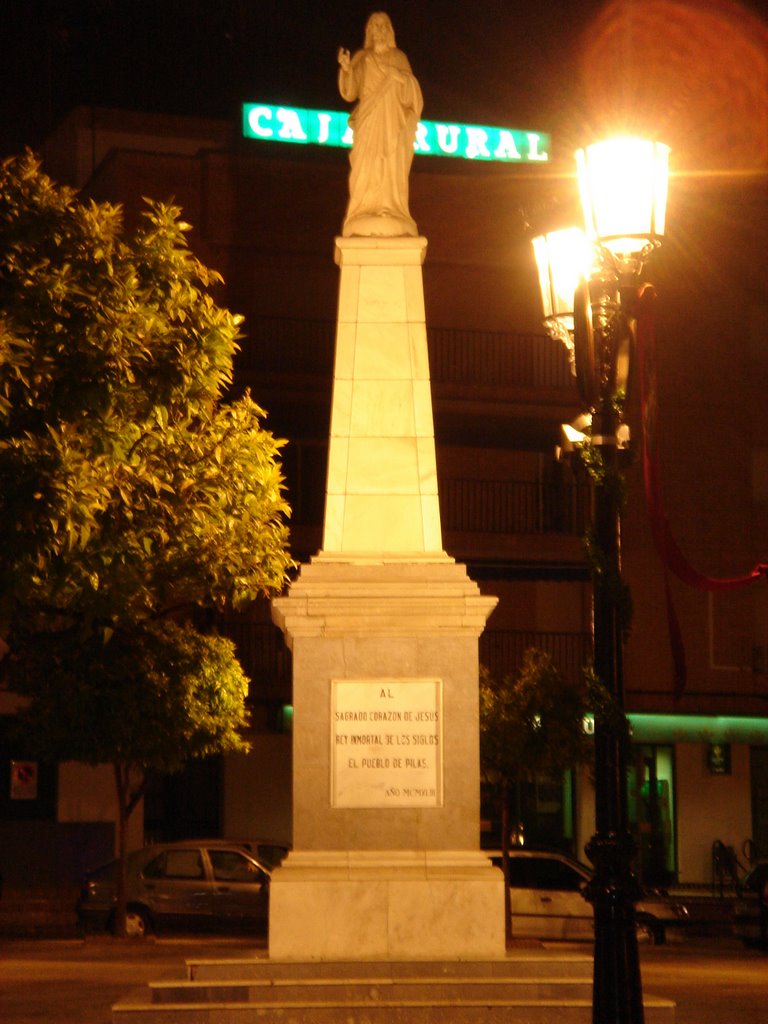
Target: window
(553,874)
(176,864)
(651,809)
(230,866)
(542,873)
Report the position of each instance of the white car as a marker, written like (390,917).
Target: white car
(547,896)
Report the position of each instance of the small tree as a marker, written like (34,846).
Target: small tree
(529,725)
(130,493)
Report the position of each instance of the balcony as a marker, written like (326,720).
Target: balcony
(499,361)
(501,651)
(267,661)
(511,520)
(527,507)
(520,522)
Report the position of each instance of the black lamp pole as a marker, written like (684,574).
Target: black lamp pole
(595,320)
(603,333)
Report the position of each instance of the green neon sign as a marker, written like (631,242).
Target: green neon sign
(648,728)
(300,126)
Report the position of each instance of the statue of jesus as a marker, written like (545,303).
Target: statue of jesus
(384,122)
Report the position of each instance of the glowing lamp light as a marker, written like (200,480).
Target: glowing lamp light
(563,259)
(623,186)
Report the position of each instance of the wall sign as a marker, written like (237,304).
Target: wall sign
(719,758)
(386,743)
(433,138)
(24,779)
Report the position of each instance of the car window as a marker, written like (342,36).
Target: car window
(155,868)
(231,866)
(554,874)
(532,872)
(271,853)
(176,864)
(520,872)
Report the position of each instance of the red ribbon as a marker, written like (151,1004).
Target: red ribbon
(666,545)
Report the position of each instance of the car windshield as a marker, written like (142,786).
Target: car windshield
(545,872)
(106,873)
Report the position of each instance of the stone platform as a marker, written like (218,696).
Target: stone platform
(529,986)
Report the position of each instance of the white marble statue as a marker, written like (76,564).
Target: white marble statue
(384,122)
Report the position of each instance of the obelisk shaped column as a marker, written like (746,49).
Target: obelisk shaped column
(383,626)
(382,496)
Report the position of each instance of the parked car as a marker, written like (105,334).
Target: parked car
(267,851)
(271,852)
(187,884)
(750,909)
(547,894)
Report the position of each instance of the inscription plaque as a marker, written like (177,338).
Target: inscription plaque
(386,743)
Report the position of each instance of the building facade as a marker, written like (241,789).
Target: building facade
(266,216)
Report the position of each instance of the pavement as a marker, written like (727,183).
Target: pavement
(77,980)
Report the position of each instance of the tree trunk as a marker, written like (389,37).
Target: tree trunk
(122,788)
(127,799)
(505,861)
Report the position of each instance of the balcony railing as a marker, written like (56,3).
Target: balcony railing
(496,359)
(467,505)
(267,661)
(477,358)
(501,651)
(513,507)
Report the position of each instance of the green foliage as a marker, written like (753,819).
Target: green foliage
(610,717)
(606,574)
(605,569)
(130,492)
(159,696)
(533,724)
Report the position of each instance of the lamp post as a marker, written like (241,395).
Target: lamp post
(590,283)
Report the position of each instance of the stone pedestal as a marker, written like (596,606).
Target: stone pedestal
(384,629)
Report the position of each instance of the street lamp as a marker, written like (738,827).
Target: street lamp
(590,283)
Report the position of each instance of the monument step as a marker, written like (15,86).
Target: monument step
(527,987)
(523,963)
(393,991)
(503,1011)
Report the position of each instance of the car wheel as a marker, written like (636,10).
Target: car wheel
(137,923)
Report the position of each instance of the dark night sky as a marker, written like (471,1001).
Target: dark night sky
(694,66)
(485,61)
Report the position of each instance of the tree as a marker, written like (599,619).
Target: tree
(530,725)
(131,494)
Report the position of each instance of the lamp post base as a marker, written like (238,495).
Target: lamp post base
(617,996)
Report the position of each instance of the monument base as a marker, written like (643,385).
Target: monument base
(386,904)
(386,798)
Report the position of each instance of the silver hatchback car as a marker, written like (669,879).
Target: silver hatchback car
(547,895)
(193,884)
